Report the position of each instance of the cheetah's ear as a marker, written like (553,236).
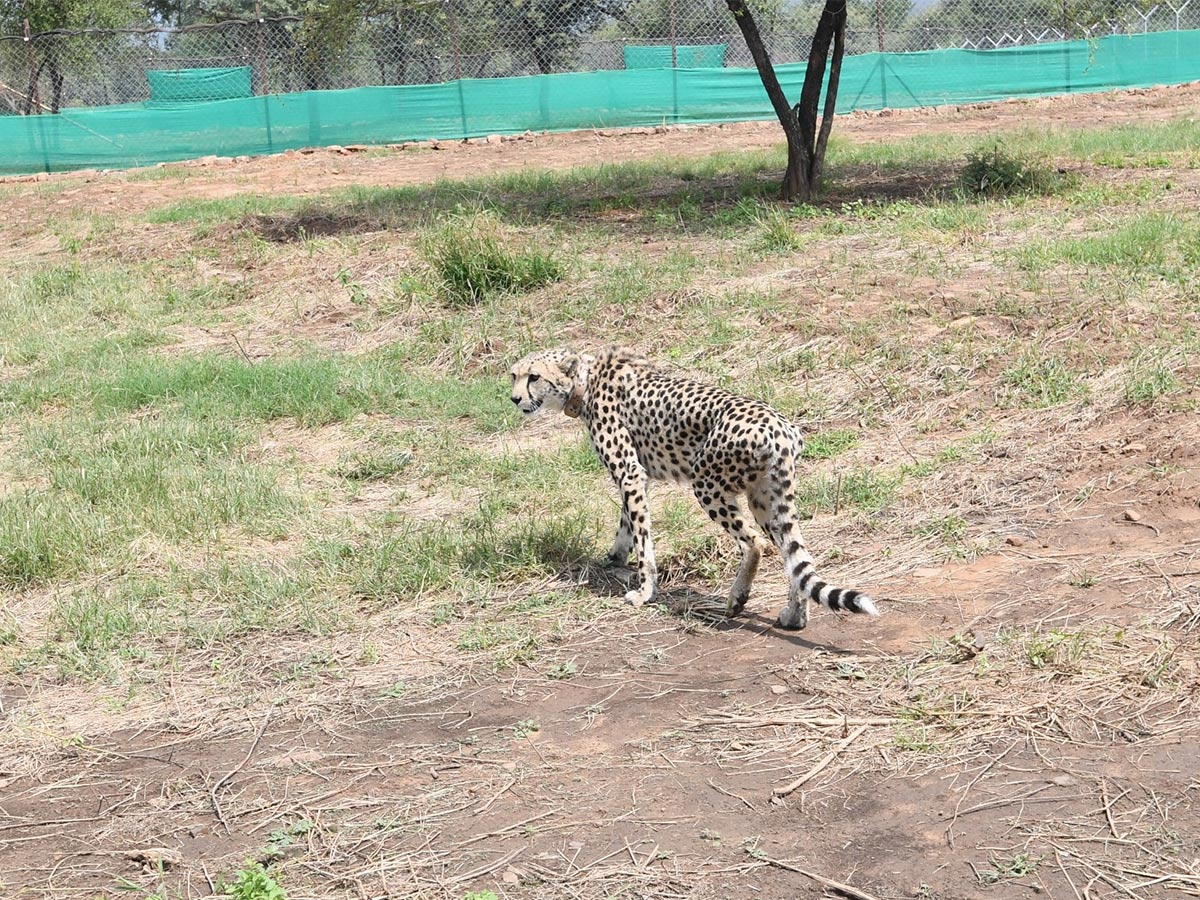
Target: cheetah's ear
(570,364)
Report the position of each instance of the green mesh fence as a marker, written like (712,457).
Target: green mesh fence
(139,134)
(687,56)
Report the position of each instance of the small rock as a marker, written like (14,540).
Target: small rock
(735,745)
(511,876)
(1131,515)
(241,159)
(1135,447)
(209,160)
(493,139)
(222,160)
(778,689)
(1064,780)
(357,148)
(1015,540)
(41,176)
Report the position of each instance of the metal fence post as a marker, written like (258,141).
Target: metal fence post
(879,23)
(454,40)
(259,27)
(33,103)
(674,37)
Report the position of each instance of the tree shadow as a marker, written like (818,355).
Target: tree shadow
(674,197)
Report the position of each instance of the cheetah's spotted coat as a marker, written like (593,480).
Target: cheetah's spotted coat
(646,423)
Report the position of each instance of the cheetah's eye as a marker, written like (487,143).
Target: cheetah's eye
(534,377)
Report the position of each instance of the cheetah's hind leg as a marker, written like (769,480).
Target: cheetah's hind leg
(722,507)
(623,545)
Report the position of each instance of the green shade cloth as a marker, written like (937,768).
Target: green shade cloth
(196,85)
(648,57)
(141,134)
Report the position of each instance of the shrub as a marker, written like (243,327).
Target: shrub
(994,172)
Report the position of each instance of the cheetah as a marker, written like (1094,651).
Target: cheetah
(646,423)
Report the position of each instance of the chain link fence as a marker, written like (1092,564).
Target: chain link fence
(441,40)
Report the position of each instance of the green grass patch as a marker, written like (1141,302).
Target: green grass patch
(868,490)
(828,444)
(224,209)
(177,479)
(311,388)
(411,559)
(1144,243)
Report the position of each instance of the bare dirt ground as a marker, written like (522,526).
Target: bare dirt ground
(683,758)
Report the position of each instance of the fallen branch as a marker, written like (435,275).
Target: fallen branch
(216,804)
(825,760)
(837,886)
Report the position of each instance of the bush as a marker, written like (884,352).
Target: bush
(994,172)
(473,259)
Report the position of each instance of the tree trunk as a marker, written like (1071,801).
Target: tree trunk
(806,144)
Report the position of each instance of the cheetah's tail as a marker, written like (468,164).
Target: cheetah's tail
(833,598)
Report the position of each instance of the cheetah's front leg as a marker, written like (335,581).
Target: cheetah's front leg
(635,509)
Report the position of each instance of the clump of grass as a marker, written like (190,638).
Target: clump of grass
(993,171)
(374,466)
(775,232)
(42,538)
(1148,379)
(1020,866)
(1041,382)
(474,260)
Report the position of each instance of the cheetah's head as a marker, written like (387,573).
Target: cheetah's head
(545,380)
